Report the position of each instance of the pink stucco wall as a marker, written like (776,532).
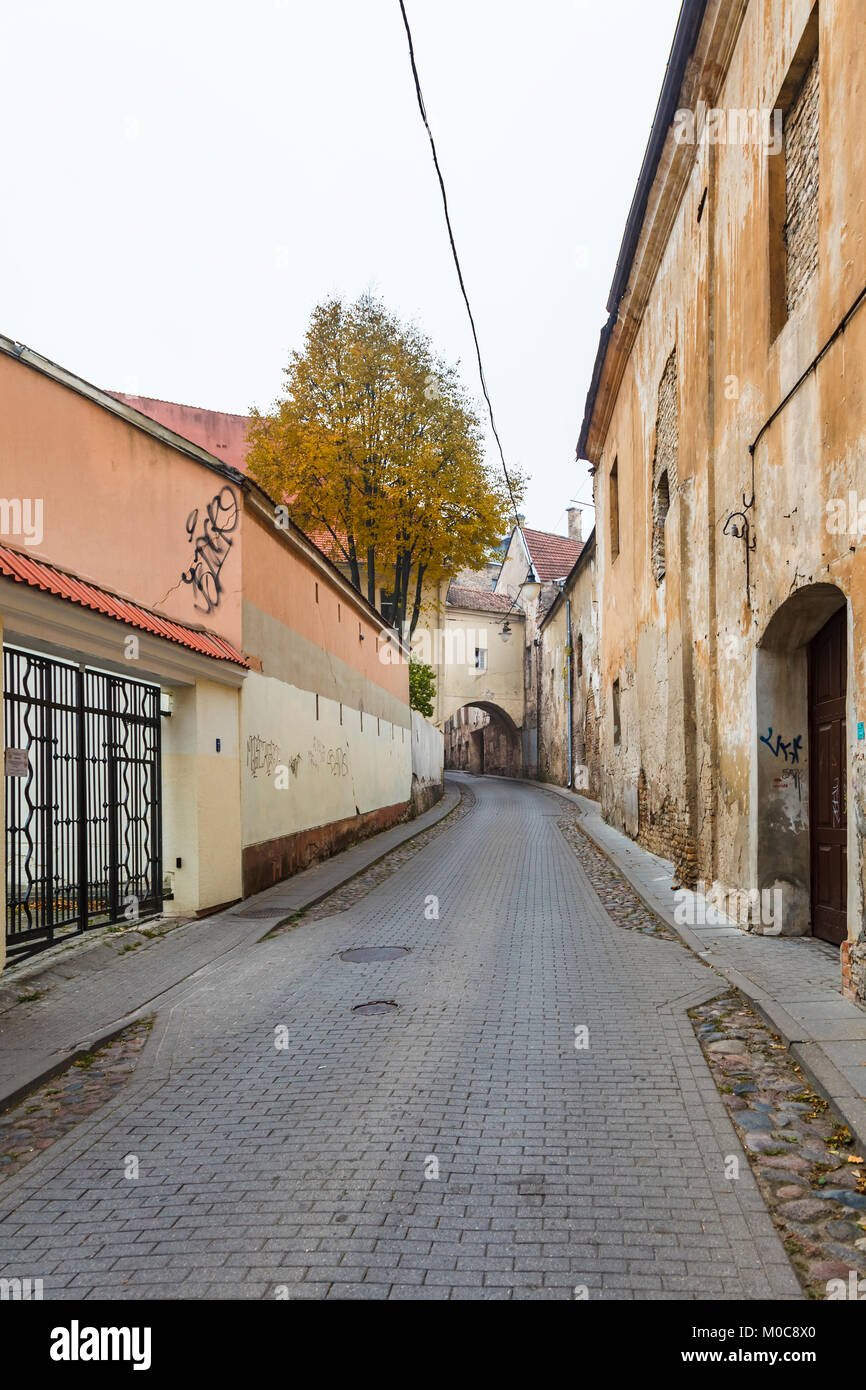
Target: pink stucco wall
(223,435)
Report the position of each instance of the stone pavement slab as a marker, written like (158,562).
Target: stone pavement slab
(534,1117)
(105,987)
(793,981)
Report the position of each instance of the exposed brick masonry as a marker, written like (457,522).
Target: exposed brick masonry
(665,831)
(665,461)
(801,187)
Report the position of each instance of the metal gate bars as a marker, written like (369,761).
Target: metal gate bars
(83,832)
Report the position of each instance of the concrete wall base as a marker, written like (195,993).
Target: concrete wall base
(271,861)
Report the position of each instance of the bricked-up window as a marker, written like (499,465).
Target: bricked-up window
(665,462)
(661,507)
(801,187)
(616,723)
(613,508)
(793,182)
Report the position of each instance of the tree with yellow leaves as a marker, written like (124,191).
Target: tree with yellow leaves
(376,449)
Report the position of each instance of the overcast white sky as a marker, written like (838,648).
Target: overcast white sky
(183,181)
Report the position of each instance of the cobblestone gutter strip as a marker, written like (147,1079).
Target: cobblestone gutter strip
(362,884)
(811,1178)
(804,1161)
(622,905)
(56,1107)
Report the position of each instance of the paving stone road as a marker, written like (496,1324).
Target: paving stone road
(299,1170)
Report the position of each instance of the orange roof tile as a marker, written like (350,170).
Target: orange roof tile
(21,569)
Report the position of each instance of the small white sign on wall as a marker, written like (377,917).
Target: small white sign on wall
(17,762)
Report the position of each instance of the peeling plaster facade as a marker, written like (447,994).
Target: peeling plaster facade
(723,275)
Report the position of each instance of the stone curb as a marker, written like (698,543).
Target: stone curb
(32,1081)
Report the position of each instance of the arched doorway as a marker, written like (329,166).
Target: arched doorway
(799,802)
(481,737)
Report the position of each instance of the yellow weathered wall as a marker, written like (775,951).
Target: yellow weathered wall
(201,797)
(554,702)
(502,683)
(331,769)
(698,685)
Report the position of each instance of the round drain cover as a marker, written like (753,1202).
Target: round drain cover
(376,1006)
(363,953)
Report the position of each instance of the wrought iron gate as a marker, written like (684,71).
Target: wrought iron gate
(83,831)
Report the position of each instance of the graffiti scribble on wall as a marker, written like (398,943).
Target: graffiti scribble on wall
(336,759)
(338,762)
(262,754)
(212,541)
(793,747)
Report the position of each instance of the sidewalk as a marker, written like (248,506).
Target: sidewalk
(91,995)
(792,981)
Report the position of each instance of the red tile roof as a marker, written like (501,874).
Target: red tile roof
(481,600)
(21,569)
(553,556)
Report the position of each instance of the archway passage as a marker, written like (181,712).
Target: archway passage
(828,818)
(482,738)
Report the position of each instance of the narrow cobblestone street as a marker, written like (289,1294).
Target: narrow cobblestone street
(463,1145)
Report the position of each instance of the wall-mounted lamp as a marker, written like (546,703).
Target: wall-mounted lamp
(531,587)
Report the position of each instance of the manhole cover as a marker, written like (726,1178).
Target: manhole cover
(376,1006)
(363,953)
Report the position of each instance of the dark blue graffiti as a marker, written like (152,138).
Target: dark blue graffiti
(793,747)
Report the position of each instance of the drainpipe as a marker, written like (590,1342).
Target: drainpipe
(568,694)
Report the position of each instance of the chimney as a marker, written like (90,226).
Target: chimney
(574,524)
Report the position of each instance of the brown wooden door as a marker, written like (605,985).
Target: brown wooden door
(828,818)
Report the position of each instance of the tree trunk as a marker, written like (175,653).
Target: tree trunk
(371,576)
(416,607)
(399,600)
(354,571)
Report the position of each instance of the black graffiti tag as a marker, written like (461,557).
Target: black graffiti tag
(262,753)
(212,545)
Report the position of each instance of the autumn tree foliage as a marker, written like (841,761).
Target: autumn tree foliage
(377,450)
